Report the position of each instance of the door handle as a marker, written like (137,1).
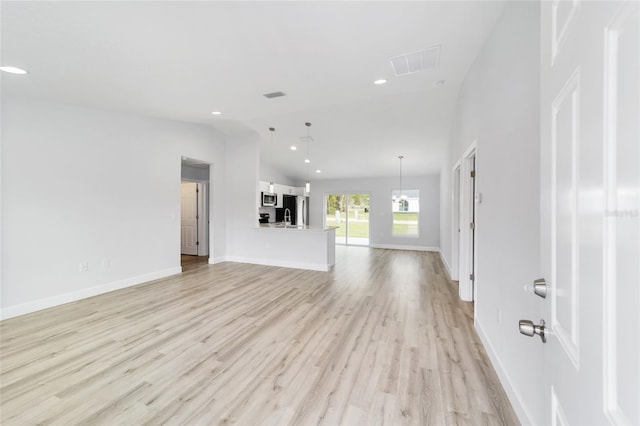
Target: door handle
(528,328)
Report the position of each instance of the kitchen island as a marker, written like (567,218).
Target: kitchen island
(300,247)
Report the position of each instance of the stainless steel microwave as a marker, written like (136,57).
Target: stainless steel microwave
(269,199)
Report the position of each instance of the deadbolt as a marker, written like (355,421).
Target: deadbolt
(540,288)
(528,328)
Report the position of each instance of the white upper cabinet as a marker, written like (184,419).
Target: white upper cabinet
(280,190)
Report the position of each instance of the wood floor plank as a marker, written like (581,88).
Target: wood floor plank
(381,339)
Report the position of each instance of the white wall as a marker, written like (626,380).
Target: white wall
(271,174)
(446,201)
(242,196)
(498,106)
(381,218)
(83,185)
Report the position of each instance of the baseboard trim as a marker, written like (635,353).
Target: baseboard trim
(214,260)
(447,268)
(402,247)
(516,400)
(280,263)
(61,299)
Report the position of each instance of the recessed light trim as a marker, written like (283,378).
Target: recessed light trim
(13,70)
(306,160)
(380,81)
(318,171)
(216,113)
(293,148)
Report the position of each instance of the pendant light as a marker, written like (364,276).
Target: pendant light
(307,185)
(271,186)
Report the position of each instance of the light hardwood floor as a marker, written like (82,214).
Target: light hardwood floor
(381,339)
(189,262)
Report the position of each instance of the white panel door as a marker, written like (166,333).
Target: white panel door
(590,211)
(189,218)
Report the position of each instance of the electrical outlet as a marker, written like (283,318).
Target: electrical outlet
(84,266)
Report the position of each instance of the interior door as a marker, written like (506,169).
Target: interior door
(189,218)
(590,211)
(472,234)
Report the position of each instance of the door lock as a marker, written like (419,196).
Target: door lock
(540,288)
(528,328)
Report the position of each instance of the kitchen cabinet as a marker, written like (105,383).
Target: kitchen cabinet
(280,190)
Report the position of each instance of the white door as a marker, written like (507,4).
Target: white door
(189,218)
(467,249)
(590,168)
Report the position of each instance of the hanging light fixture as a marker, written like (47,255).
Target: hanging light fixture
(307,185)
(271,129)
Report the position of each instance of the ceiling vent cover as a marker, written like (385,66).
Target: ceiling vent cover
(416,61)
(273,95)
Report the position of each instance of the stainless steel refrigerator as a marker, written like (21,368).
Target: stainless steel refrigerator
(302,211)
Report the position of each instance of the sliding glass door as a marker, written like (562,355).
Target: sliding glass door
(350,213)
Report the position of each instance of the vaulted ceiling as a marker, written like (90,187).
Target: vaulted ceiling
(183,60)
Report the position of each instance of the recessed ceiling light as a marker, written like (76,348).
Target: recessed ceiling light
(318,171)
(293,147)
(216,113)
(380,81)
(306,160)
(13,70)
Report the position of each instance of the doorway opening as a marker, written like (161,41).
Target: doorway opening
(350,213)
(194,213)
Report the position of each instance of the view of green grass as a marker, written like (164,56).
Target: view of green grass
(406,216)
(405,223)
(356,229)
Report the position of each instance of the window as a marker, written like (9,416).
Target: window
(406,211)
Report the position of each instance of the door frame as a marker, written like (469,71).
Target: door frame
(468,244)
(346,219)
(202,249)
(205,200)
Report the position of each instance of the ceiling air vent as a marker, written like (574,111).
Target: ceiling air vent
(416,61)
(273,95)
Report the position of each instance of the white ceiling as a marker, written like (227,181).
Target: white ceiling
(183,60)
